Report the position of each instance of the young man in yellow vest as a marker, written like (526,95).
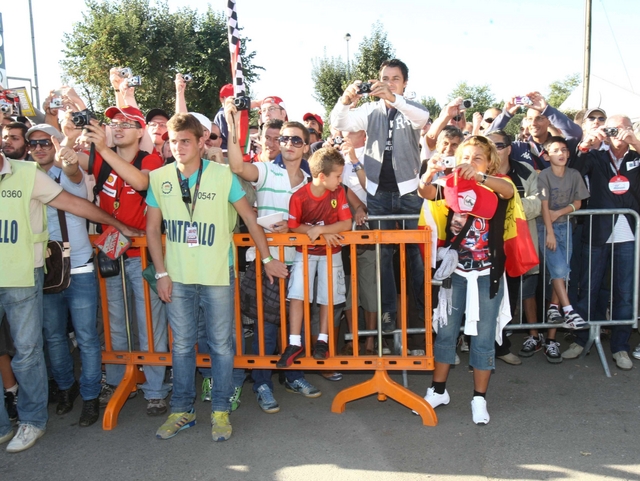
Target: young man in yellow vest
(197,201)
(24,193)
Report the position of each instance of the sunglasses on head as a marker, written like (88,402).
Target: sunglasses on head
(186,192)
(296,141)
(45,144)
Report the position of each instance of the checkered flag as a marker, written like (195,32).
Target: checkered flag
(237,75)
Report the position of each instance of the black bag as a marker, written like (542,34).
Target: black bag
(107,266)
(249,296)
(58,261)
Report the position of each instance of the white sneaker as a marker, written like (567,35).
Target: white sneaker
(435,399)
(457,360)
(26,437)
(6,437)
(636,352)
(479,410)
(622,360)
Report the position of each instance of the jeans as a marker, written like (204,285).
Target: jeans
(80,299)
(5,422)
(482,347)
(154,387)
(391,203)
(217,304)
(263,376)
(23,306)
(622,305)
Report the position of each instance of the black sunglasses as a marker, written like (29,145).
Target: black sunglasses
(457,118)
(186,192)
(600,119)
(46,144)
(296,141)
(489,120)
(500,145)
(213,136)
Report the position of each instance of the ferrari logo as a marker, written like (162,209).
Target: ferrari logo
(334,203)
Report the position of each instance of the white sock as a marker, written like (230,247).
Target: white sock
(13,389)
(567,309)
(295,340)
(323,337)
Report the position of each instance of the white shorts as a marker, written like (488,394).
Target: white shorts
(317,264)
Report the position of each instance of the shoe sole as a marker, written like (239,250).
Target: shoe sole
(270,410)
(516,362)
(528,353)
(186,426)
(7,437)
(310,396)
(554,360)
(576,328)
(26,446)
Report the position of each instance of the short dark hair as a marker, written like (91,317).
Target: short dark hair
(18,125)
(271,124)
(296,125)
(450,131)
(553,140)
(394,62)
(325,160)
(506,138)
(181,122)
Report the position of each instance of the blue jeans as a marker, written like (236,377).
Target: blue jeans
(154,387)
(482,353)
(263,376)
(622,274)
(23,306)
(216,303)
(5,423)
(81,300)
(391,203)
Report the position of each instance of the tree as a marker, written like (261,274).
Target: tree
(561,89)
(329,77)
(481,95)
(155,44)
(432,105)
(372,52)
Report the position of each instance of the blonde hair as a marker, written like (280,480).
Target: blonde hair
(324,161)
(488,148)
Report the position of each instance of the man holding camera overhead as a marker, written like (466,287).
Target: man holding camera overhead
(391,164)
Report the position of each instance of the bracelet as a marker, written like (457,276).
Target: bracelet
(266,260)
(160,275)
(573,207)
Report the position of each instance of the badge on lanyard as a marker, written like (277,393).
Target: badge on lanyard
(619,184)
(192,236)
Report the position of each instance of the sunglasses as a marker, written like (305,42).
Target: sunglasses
(296,141)
(500,145)
(489,120)
(186,192)
(457,118)
(214,136)
(45,144)
(599,119)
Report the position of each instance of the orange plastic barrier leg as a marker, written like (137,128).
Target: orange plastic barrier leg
(382,385)
(120,396)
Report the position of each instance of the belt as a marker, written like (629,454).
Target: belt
(83,269)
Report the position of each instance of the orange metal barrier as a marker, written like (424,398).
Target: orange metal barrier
(380,384)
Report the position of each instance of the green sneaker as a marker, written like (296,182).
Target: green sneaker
(175,423)
(235,399)
(220,426)
(206,389)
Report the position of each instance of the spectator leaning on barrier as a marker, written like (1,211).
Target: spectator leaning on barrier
(197,272)
(392,165)
(25,190)
(613,171)
(80,299)
(121,196)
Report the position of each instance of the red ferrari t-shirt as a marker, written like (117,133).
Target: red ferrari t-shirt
(305,208)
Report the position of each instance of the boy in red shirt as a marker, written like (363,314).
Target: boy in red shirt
(320,208)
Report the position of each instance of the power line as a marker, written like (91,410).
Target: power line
(617,46)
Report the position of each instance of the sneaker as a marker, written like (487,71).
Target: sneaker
(26,437)
(636,352)
(388,322)
(321,350)
(510,358)
(457,360)
(235,398)
(302,386)
(290,354)
(156,407)
(531,345)
(175,423)
(331,375)
(554,316)
(11,405)
(435,399)
(464,345)
(572,320)
(622,360)
(66,398)
(552,352)
(479,410)
(206,389)
(4,438)
(573,352)
(90,412)
(266,401)
(220,426)
(107,392)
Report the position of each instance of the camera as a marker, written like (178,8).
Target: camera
(82,118)
(242,103)
(134,81)
(338,141)
(6,108)
(56,103)
(523,100)
(126,72)
(466,104)
(449,162)
(364,88)
(187,77)
(610,131)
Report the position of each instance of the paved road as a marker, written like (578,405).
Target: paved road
(564,421)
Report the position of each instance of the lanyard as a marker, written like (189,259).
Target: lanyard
(195,192)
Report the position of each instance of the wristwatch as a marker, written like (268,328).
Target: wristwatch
(160,275)
(357,167)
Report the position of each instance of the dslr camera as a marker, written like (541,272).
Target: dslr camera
(610,131)
(126,72)
(134,81)
(82,119)
(187,77)
(242,103)
(56,103)
(364,88)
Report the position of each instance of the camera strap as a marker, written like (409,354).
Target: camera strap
(105,171)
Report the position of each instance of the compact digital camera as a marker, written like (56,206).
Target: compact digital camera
(610,131)
(126,72)
(134,81)
(56,103)
(338,140)
(187,77)
(82,118)
(242,103)
(523,100)
(364,88)
(467,104)
(6,108)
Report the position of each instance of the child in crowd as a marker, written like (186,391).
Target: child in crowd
(319,208)
(562,190)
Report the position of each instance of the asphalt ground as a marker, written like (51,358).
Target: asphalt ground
(565,421)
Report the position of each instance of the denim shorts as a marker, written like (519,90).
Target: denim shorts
(317,264)
(557,262)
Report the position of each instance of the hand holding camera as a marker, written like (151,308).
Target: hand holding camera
(92,131)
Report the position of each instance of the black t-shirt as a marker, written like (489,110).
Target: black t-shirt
(388,181)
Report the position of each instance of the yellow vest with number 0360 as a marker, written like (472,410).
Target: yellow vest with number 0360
(214,217)
(17,259)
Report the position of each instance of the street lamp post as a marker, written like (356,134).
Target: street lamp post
(347,37)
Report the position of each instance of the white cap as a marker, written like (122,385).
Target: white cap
(203,119)
(47,129)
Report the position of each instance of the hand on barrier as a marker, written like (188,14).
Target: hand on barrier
(334,240)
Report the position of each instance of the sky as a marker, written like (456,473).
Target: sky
(513,46)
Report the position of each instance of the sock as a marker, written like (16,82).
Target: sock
(13,389)
(553,306)
(549,340)
(295,340)
(567,309)
(323,337)
(481,394)
(438,387)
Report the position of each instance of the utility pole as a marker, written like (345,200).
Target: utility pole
(347,37)
(35,64)
(586,75)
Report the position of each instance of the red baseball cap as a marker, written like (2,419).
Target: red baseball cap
(273,100)
(315,117)
(130,113)
(227,91)
(466,196)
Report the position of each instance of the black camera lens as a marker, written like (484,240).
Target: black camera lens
(365,88)
(242,103)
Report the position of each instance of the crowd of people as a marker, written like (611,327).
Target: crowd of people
(186,176)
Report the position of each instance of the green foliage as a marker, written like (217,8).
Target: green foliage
(372,52)
(513,127)
(155,44)
(481,95)
(329,77)
(432,105)
(561,89)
